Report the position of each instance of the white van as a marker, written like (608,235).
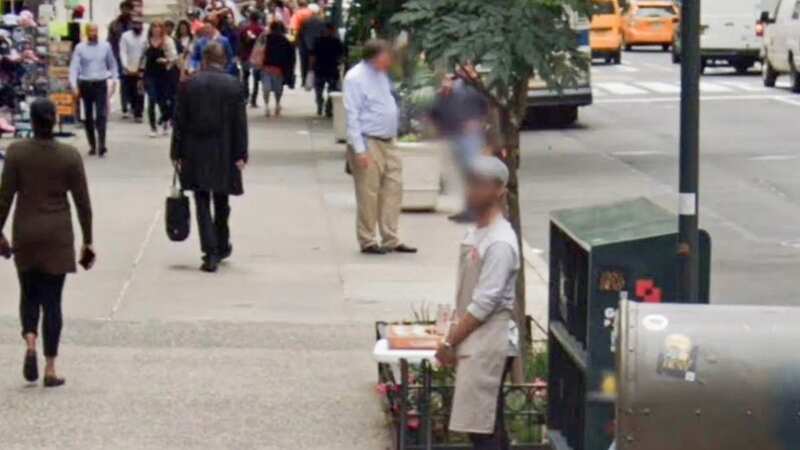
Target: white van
(728,33)
(781,48)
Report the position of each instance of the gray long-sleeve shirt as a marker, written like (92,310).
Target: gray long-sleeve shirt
(498,249)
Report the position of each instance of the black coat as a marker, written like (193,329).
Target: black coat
(280,53)
(210,133)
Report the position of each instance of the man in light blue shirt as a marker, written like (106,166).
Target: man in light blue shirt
(92,67)
(372,120)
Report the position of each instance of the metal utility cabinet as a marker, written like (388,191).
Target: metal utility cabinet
(596,255)
(708,377)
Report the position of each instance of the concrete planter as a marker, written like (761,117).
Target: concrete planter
(422,174)
(339,117)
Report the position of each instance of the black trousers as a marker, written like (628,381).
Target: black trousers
(135,97)
(159,89)
(320,82)
(305,62)
(214,232)
(499,439)
(95,105)
(247,73)
(40,297)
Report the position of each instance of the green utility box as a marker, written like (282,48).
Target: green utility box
(597,255)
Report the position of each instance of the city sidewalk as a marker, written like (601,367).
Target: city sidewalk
(272,352)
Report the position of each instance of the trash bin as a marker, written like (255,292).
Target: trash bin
(708,377)
(339,117)
(597,254)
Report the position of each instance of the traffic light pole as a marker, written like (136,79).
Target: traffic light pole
(689,266)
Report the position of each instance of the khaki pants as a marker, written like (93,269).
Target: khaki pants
(379,194)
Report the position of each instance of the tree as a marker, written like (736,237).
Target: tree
(498,46)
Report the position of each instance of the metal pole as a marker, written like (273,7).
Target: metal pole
(688,283)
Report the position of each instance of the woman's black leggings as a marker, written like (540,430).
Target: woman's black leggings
(40,295)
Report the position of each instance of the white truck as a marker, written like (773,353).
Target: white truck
(781,48)
(729,35)
(559,108)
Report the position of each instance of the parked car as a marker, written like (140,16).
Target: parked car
(606,31)
(650,23)
(781,47)
(728,34)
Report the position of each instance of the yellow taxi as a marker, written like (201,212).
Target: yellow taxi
(606,32)
(650,23)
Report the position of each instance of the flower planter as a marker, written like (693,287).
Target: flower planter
(339,117)
(417,399)
(422,174)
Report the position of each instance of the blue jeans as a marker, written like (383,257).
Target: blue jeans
(466,147)
(272,84)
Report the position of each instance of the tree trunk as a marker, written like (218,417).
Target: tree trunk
(507,135)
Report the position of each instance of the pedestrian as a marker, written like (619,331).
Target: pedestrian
(158,61)
(227,27)
(281,12)
(460,113)
(299,19)
(311,30)
(326,60)
(169,28)
(116,29)
(485,330)
(43,247)
(249,33)
(210,149)
(279,63)
(208,34)
(183,37)
(131,49)
(93,78)
(262,8)
(372,121)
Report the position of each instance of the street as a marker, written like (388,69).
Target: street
(626,145)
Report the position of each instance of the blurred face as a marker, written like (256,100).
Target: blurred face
(383,61)
(91,33)
(137,27)
(158,31)
(483,194)
(169,28)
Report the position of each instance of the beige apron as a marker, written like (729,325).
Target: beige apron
(481,357)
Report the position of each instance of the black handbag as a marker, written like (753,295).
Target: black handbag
(178,215)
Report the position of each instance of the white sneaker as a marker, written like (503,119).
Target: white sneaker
(153,134)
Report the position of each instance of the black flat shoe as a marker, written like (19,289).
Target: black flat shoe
(50,382)
(226,253)
(30,370)
(103,152)
(92,152)
(402,248)
(373,250)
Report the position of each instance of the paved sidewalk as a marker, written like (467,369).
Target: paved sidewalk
(272,352)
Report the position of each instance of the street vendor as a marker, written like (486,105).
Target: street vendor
(484,339)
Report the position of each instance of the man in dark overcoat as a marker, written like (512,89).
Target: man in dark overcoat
(210,149)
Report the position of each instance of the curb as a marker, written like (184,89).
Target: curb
(536,261)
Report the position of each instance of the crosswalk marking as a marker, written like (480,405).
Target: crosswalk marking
(660,87)
(713,88)
(743,86)
(621,88)
(664,88)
